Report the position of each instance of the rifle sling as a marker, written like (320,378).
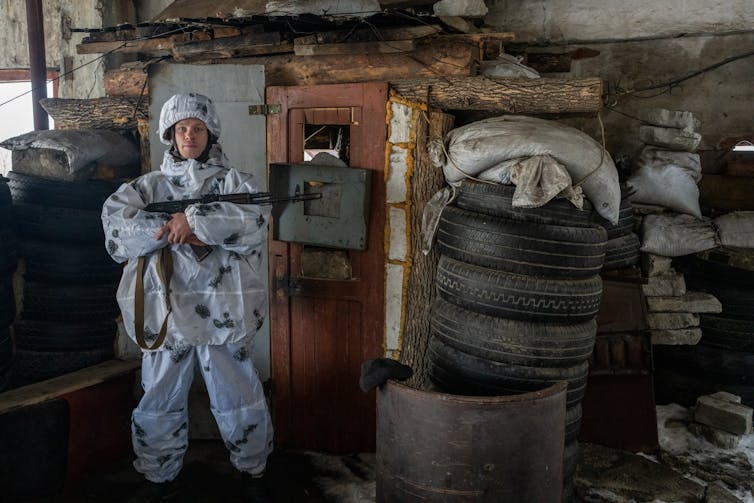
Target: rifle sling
(165,273)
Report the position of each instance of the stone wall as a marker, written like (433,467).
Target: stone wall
(634,45)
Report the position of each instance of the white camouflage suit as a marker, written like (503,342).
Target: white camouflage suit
(217,304)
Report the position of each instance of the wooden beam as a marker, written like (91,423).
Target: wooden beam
(368,35)
(428,60)
(252,44)
(351,48)
(152,46)
(508,95)
(58,386)
(99,113)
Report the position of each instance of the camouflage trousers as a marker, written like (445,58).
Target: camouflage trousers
(159,424)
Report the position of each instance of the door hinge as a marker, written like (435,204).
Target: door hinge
(290,286)
(265,109)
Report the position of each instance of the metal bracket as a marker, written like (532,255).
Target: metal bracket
(291,286)
(265,109)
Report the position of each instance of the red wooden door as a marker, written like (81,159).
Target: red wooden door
(321,332)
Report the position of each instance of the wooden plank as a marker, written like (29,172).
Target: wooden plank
(428,60)
(389,47)
(57,386)
(509,95)
(724,192)
(152,46)
(252,44)
(121,112)
(126,81)
(369,35)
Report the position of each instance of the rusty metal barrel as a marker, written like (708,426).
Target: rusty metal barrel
(438,447)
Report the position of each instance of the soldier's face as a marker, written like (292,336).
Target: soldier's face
(191,137)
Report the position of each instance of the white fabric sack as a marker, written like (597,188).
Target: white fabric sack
(478,146)
(539,179)
(653,156)
(674,235)
(736,229)
(666,185)
(70,154)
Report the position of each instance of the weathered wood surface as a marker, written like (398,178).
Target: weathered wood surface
(349,48)
(509,95)
(425,181)
(160,46)
(119,112)
(369,35)
(58,386)
(126,81)
(428,60)
(251,44)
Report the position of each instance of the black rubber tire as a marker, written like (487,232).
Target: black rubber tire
(496,199)
(88,195)
(69,303)
(721,331)
(622,252)
(521,248)
(701,273)
(8,252)
(55,262)
(713,363)
(7,301)
(625,223)
(6,350)
(518,297)
(51,223)
(572,423)
(5,204)
(56,336)
(511,341)
(33,366)
(461,373)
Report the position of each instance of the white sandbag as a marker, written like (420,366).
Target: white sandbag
(653,156)
(478,146)
(674,235)
(670,138)
(736,229)
(666,185)
(680,119)
(70,154)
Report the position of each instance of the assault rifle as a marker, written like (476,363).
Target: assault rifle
(261,198)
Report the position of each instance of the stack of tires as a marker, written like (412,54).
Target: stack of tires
(67,320)
(724,357)
(518,292)
(623,244)
(8,260)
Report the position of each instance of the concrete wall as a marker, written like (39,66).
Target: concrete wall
(643,43)
(86,81)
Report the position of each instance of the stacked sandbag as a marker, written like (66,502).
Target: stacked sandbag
(67,318)
(667,170)
(8,261)
(518,290)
